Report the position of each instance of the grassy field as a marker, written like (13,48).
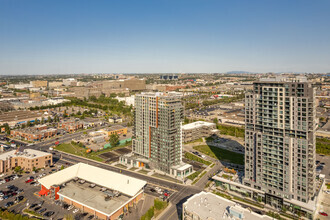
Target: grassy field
(165,177)
(195,141)
(195,181)
(191,156)
(121,166)
(194,175)
(221,154)
(144,171)
(227,176)
(81,151)
(323,146)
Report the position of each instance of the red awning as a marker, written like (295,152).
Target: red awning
(43,192)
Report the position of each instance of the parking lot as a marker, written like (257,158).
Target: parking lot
(113,156)
(323,165)
(31,200)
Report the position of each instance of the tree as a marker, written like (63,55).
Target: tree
(36,121)
(18,169)
(215,121)
(114,139)
(28,124)
(62,167)
(49,119)
(42,120)
(7,128)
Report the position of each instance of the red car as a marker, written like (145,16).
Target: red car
(29,181)
(323,213)
(166,194)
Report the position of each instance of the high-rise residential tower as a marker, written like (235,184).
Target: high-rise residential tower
(157,134)
(280,139)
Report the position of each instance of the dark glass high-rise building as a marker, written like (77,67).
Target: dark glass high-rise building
(280,139)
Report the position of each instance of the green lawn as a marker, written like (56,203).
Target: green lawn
(221,154)
(227,176)
(194,175)
(328,185)
(144,171)
(200,176)
(166,177)
(323,146)
(81,151)
(121,166)
(195,141)
(231,130)
(191,156)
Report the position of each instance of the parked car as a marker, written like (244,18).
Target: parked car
(19,198)
(323,213)
(48,214)
(42,210)
(37,208)
(8,204)
(33,205)
(29,181)
(70,207)
(75,211)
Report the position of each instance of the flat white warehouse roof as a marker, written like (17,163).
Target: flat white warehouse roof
(197,124)
(105,178)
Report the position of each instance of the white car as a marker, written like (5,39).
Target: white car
(70,207)
(327,191)
(1,198)
(75,211)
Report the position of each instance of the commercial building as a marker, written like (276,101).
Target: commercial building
(71,126)
(27,159)
(280,140)
(157,134)
(100,192)
(198,129)
(70,82)
(128,100)
(33,134)
(116,129)
(39,83)
(14,118)
(208,206)
(108,87)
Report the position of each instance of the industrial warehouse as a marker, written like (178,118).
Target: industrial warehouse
(103,193)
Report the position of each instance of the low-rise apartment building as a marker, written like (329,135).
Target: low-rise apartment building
(198,129)
(27,159)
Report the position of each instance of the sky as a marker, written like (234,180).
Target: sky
(163,36)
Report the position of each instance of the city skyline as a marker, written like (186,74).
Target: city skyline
(180,37)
